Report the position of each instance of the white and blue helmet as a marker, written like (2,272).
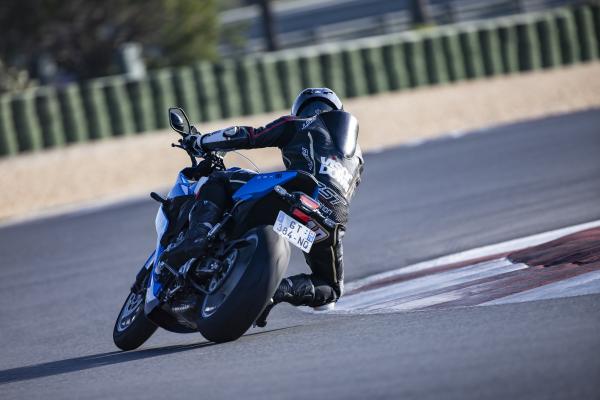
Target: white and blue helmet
(313,101)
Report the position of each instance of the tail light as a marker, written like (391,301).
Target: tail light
(309,202)
(300,215)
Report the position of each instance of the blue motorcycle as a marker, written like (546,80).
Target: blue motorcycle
(247,256)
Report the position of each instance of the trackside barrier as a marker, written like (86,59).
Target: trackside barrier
(229,95)
(414,57)
(393,60)
(47,110)
(473,57)
(249,86)
(106,107)
(288,71)
(206,90)
(453,54)
(490,48)
(584,21)
(8,138)
(529,51)
(25,118)
(509,48)
(549,42)
(569,45)
(437,70)
(310,70)
(332,70)
(185,92)
(140,95)
(119,107)
(163,94)
(352,68)
(73,114)
(596,21)
(270,86)
(96,111)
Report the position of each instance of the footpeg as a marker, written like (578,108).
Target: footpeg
(261,321)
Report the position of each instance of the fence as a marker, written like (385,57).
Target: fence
(48,117)
(351,19)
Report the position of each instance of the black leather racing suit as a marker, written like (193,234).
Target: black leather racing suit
(324,145)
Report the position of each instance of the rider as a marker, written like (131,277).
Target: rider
(318,137)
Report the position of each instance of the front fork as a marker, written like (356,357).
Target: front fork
(140,282)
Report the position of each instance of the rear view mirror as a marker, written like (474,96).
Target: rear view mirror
(179,121)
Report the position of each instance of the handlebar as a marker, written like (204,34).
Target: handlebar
(214,157)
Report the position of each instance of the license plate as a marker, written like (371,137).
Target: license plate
(297,234)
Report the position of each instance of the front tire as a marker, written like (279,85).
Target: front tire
(132,328)
(230,311)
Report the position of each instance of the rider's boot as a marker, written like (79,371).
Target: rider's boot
(203,216)
(298,290)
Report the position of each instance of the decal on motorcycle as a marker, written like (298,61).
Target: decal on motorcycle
(337,171)
(330,195)
(320,232)
(325,210)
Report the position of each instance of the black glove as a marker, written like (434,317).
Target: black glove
(192,143)
(204,168)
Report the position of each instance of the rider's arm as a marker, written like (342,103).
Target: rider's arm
(275,134)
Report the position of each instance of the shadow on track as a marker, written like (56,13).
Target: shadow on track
(99,360)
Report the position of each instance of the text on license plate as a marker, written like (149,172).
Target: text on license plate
(296,233)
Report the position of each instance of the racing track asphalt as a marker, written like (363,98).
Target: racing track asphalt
(64,278)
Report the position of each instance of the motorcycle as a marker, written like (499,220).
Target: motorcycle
(247,255)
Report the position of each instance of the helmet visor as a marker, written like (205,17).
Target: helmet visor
(314,107)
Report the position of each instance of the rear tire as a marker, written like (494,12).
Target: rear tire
(132,328)
(252,282)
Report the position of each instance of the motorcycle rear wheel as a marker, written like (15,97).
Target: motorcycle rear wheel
(231,310)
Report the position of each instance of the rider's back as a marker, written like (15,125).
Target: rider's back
(325,145)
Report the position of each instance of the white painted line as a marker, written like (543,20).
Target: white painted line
(485,251)
(426,301)
(410,303)
(577,286)
(403,291)
(394,297)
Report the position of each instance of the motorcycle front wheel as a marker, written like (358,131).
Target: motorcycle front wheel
(132,328)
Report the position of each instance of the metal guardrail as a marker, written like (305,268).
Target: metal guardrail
(357,28)
(441,12)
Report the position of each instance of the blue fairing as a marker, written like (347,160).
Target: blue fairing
(256,188)
(182,187)
(262,184)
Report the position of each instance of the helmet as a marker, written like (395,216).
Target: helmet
(313,101)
